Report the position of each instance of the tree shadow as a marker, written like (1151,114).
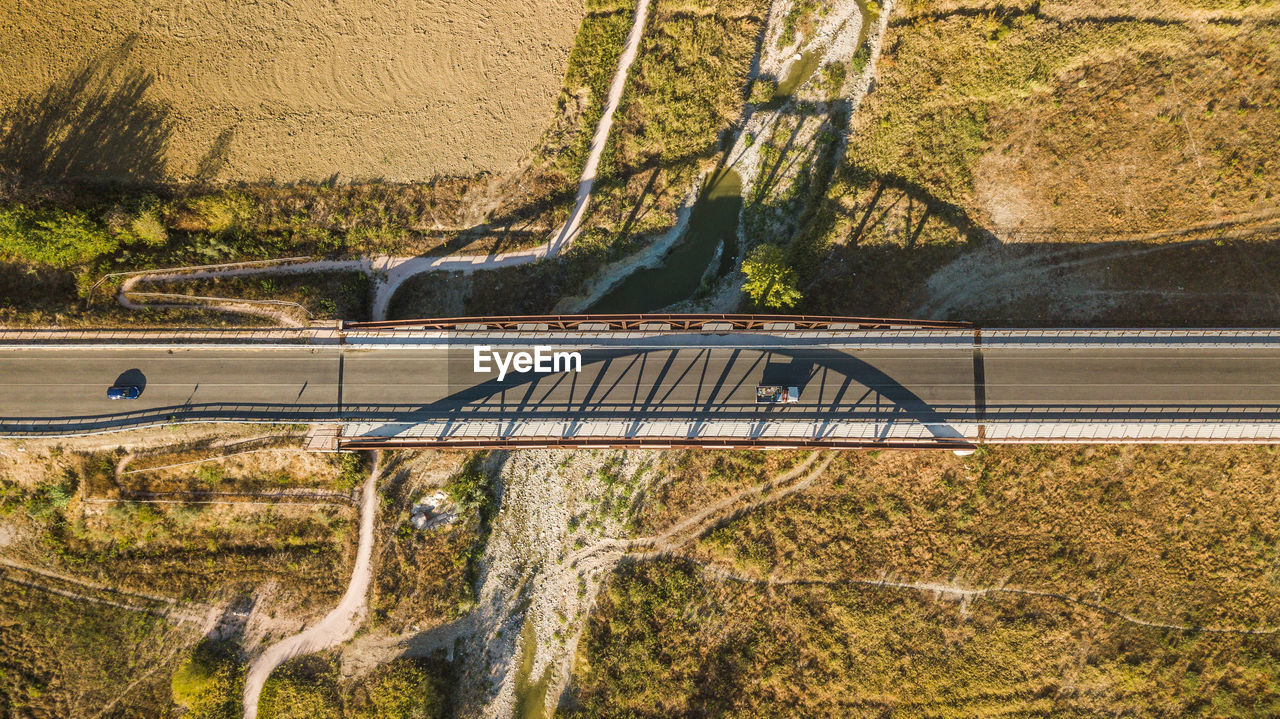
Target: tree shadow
(218,155)
(96,124)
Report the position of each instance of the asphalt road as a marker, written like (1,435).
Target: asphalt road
(65,389)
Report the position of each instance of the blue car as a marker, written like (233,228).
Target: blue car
(124,392)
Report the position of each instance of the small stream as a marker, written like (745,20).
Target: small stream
(712,224)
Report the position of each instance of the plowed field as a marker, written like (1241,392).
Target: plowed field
(277,89)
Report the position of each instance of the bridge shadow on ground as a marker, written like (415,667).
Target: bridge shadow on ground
(899,251)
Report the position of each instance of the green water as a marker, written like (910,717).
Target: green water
(531,694)
(714,220)
(800,71)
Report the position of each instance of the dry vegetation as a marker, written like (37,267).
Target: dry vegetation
(195,547)
(686,89)
(61,657)
(1052,157)
(423,576)
(263,467)
(767,618)
(1183,534)
(666,641)
(310,688)
(690,480)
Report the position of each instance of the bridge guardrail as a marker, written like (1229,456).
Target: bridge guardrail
(656,322)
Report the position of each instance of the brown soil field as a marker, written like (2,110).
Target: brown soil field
(279,90)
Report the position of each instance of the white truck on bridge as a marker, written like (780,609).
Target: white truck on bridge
(774,394)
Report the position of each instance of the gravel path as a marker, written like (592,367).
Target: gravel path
(338,625)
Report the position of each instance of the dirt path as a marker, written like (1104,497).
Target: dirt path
(567,233)
(338,625)
(270,309)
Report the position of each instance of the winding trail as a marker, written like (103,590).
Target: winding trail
(338,625)
(262,308)
(567,233)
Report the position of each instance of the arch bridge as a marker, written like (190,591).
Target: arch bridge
(657,380)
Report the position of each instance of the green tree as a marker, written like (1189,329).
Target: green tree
(771,280)
(53,237)
(209,682)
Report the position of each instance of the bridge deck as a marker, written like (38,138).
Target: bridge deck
(652,390)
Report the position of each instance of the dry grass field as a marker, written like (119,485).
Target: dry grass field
(278,90)
(1050,163)
(772,615)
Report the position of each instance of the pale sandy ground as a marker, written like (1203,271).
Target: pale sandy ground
(279,89)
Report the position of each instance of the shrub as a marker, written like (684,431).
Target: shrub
(53,237)
(210,474)
(50,498)
(763,90)
(833,75)
(208,682)
(406,691)
(860,59)
(305,688)
(470,488)
(771,281)
(799,12)
(224,214)
(352,473)
(148,229)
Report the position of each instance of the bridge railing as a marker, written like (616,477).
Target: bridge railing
(373,443)
(664,322)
